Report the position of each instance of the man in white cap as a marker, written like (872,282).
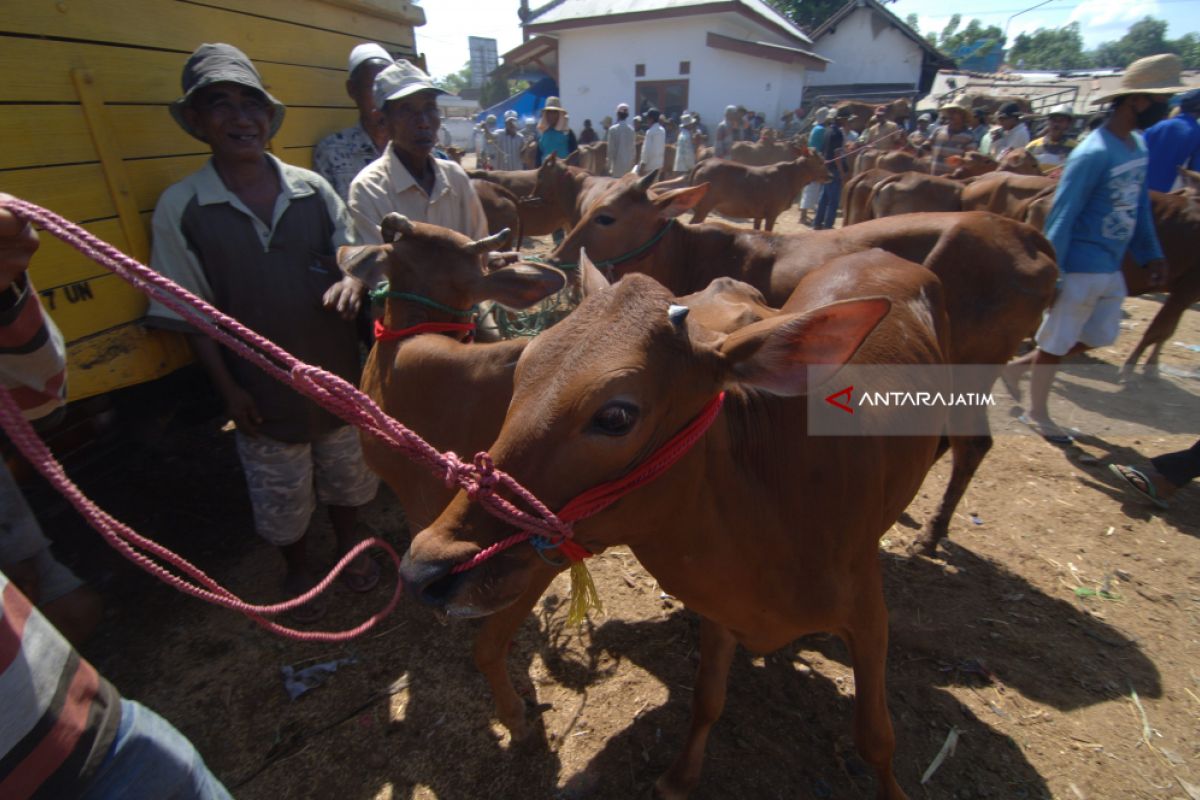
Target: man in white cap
(1053,146)
(509,142)
(407,178)
(486,155)
(1101,209)
(622,143)
(257,238)
(340,156)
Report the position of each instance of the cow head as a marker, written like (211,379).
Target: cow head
(970,165)
(809,168)
(444,266)
(593,397)
(1019,161)
(623,219)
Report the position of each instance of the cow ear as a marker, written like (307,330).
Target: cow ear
(521,285)
(368,263)
(677,201)
(592,279)
(790,354)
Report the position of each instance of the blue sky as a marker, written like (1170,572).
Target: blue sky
(444,37)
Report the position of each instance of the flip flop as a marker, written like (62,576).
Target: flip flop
(1053,435)
(310,612)
(364,581)
(1137,481)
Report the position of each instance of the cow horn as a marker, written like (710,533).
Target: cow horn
(646,181)
(493,242)
(677,314)
(394,226)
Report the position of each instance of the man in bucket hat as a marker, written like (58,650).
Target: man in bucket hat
(554,135)
(1101,209)
(257,238)
(342,155)
(407,178)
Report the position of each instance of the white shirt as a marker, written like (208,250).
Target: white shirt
(386,185)
(1009,140)
(621,147)
(508,149)
(654,147)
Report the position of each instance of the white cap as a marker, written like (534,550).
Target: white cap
(490,118)
(1061,110)
(366,52)
(510,114)
(400,80)
(623,107)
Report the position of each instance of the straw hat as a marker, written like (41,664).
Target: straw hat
(952,106)
(1150,75)
(553,104)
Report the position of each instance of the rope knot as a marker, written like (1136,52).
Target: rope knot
(457,471)
(485,476)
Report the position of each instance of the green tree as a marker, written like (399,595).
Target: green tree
(1146,37)
(911,20)
(808,14)
(1188,48)
(455,82)
(1050,48)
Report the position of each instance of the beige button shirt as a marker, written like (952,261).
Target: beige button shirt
(385,185)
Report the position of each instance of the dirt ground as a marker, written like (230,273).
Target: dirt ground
(1057,635)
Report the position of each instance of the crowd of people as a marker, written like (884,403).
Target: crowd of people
(256,237)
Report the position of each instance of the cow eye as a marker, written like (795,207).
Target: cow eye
(615,419)
(604,219)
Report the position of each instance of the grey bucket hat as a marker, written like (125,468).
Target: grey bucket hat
(220,63)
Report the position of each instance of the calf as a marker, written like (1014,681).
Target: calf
(764,153)
(766,532)
(757,193)
(999,277)
(1003,193)
(500,206)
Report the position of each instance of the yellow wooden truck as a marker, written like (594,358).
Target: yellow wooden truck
(86,134)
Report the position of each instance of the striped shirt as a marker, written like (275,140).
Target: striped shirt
(60,717)
(32,356)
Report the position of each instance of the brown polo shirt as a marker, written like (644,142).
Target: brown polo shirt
(271,278)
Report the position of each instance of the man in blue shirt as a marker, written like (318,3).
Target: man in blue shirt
(1100,210)
(1174,143)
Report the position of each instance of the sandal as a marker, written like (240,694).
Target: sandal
(360,581)
(312,611)
(1139,482)
(1051,433)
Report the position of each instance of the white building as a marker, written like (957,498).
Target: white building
(673,55)
(874,55)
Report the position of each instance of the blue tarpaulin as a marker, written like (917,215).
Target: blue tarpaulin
(527,103)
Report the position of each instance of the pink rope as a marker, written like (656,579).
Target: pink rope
(480,479)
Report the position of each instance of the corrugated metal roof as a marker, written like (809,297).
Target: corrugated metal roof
(586,9)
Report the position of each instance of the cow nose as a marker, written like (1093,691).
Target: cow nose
(429,582)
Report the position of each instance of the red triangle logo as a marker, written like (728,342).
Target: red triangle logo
(848,394)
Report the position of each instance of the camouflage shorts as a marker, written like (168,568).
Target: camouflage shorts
(282,477)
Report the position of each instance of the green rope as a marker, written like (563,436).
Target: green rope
(384,292)
(612,262)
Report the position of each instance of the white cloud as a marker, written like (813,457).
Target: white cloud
(1106,20)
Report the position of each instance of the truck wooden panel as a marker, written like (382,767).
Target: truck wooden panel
(105,163)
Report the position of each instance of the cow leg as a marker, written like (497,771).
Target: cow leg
(708,699)
(491,654)
(769,223)
(866,635)
(1159,330)
(966,454)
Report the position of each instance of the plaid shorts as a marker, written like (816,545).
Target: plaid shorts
(286,480)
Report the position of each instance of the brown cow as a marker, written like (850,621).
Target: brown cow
(1177,222)
(1003,193)
(543,214)
(999,277)
(766,532)
(911,193)
(757,193)
(592,157)
(501,208)
(764,153)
